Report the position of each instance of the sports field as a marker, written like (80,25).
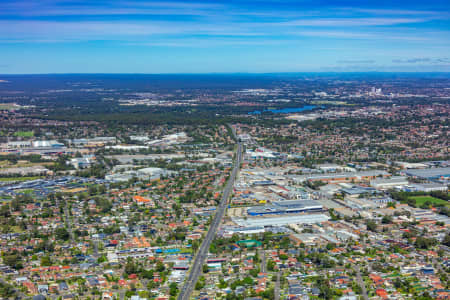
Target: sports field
(420,200)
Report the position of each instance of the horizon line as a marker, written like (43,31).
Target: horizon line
(229,73)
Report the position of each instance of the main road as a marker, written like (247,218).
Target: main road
(361,283)
(202,253)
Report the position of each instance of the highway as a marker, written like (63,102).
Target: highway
(202,253)
(277,291)
(263,261)
(361,283)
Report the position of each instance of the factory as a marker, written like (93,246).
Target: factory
(281,221)
(284,207)
(141,174)
(430,174)
(389,183)
(342,177)
(32,144)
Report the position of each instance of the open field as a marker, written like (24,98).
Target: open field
(7,106)
(20,178)
(24,163)
(420,200)
(24,133)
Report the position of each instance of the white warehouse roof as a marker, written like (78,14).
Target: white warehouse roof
(279,221)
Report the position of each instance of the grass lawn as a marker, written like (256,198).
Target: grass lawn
(16,229)
(7,106)
(420,200)
(19,178)
(24,133)
(27,191)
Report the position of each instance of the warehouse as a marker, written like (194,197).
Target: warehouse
(429,187)
(430,174)
(395,181)
(281,221)
(342,177)
(283,207)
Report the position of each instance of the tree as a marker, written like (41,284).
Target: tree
(425,243)
(247,281)
(4,211)
(386,219)
(173,289)
(45,261)
(325,291)
(391,204)
(271,265)
(61,233)
(371,225)
(102,259)
(13,260)
(205,269)
(160,267)
(130,267)
(222,283)
(446,240)
(6,291)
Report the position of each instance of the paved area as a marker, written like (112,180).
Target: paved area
(202,253)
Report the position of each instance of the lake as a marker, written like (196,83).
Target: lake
(286,110)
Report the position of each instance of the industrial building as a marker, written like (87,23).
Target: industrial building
(280,221)
(141,174)
(428,187)
(342,177)
(283,207)
(430,174)
(389,183)
(32,144)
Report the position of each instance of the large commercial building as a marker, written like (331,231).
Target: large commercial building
(395,181)
(428,187)
(430,174)
(281,221)
(141,174)
(283,207)
(32,144)
(342,177)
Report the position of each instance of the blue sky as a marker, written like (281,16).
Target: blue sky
(136,36)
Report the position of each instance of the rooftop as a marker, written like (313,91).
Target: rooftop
(286,220)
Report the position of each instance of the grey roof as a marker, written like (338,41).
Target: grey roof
(393,180)
(358,190)
(296,203)
(429,173)
(284,220)
(285,206)
(370,173)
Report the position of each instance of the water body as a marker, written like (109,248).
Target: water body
(285,110)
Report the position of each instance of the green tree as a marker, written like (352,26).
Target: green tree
(61,233)
(45,261)
(371,225)
(205,269)
(386,219)
(173,289)
(13,260)
(446,240)
(6,291)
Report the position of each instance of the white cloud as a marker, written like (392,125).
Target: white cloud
(346,22)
